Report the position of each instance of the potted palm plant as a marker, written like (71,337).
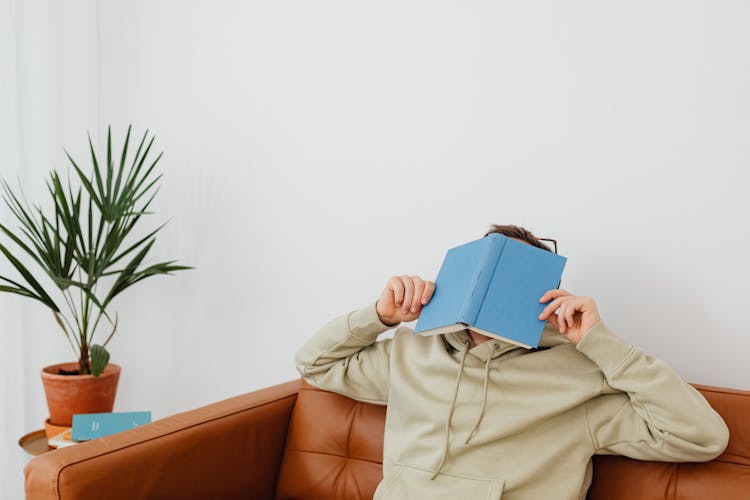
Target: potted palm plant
(85,247)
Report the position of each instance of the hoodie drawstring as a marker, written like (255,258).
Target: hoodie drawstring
(453,404)
(484,397)
(450,413)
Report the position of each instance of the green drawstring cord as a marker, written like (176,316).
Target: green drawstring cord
(484,397)
(450,413)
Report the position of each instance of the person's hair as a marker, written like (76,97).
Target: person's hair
(512,231)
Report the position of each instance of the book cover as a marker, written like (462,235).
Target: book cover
(95,425)
(492,286)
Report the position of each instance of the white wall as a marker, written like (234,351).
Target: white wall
(312,150)
(48,98)
(57,103)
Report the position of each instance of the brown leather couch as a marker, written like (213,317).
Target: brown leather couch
(293,441)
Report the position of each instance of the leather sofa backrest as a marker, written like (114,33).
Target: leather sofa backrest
(334,450)
(727,477)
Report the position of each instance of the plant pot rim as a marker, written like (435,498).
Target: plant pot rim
(50,372)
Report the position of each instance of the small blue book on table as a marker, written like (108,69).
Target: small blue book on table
(95,425)
(492,286)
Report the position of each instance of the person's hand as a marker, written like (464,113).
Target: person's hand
(403,298)
(577,314)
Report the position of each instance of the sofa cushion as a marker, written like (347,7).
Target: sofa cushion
(334,448)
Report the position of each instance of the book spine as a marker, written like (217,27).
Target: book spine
(481,281)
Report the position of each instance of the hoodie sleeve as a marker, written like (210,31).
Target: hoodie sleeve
(645,410)
(343,356)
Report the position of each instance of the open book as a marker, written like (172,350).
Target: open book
(492,286)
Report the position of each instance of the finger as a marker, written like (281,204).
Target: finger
(408,292)
(549,309)
(552,307)
(561,319)
(418,290)
(574,306)
(429,289)
(398,291)
(569,311)
(553,294)
(553,320)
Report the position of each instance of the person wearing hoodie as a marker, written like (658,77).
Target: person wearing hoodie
(470,416)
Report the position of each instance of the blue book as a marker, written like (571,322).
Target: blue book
(95,425)
(492,286)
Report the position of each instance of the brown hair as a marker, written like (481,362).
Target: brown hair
(512,231)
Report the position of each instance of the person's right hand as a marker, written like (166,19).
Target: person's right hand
(403,298)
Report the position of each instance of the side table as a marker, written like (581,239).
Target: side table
(35,443)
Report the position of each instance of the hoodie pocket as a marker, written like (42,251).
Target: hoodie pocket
(406,481)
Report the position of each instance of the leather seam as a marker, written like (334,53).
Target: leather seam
(715,390)
(731,462)
(334,455)
(351,426)
(379,402)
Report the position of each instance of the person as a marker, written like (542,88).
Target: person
(470,416)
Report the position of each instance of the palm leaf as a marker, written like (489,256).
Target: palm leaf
(21,244)
(22,290)
(99,183)
(133,247)
(27,222)
(86,183)
(121,283)
(77,257)
(110,165)
(123,155)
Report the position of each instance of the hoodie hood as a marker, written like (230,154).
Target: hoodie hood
(462,346)
(494,348)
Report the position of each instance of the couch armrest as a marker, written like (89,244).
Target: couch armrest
(229,449)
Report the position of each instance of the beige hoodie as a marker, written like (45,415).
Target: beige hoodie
(500,421)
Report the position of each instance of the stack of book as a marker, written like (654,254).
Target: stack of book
(88,426)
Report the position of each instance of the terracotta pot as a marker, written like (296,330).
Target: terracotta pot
(71,394)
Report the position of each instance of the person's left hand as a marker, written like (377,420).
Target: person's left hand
(577,314)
